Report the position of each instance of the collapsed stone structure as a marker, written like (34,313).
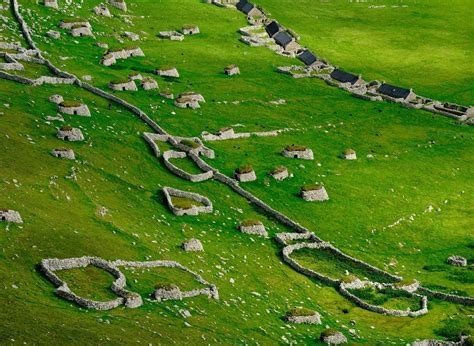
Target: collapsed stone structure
(124,297)
(190,29)
(312,193)
(192,245)
(123,85)
(197,203)
(9,215)
(63,153)
(167,71)
(253,227)
(232,70)
(102,10)
(74,108)
(71,134)
(298,152)
(171,35)
(245,174)
(458,261)
(279,173)
(120,4)
(149,84)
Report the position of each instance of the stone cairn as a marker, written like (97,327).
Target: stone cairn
(71,134)
(167,71)
(298,152)
(245,174)
(192,245)
(458,261)
(195,203)
(72,107)
(349,154)
(63,153)
(190,29)
(232,70)
(253,227)
(315,192)
(279,173)
(300,316)
(8,215)
(332,337)
(130,299)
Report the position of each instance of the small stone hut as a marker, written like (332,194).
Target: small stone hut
(74,108)
(279,173)
(167,71)
(167,94)
(298,152)
(396,93)
(70,23)
(253,227)
(80,30)
(63,153)
(108,59)
(165,292)
(56,99)
(171,35)
(149,84)
(8,215)
(123,85)
(232,70)
(332,337)
(315,192)
(192,245)
(349,154)
(120,4)
(135,76)
(190,29)
(71,134)
(300,316)
(102,10)
(245,173)
(186,102)
(131,36)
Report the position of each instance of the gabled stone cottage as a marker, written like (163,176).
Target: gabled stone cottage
(344,77)
(286,41)
(395,93)
(307,57)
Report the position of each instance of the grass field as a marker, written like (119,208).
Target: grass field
(405,205)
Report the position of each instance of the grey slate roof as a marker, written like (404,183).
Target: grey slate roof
(344,77)
(272,28)
(307,57)
(394,91)
(283,38)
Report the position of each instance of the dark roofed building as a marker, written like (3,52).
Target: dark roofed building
(241,4)
(283,38)
(396,92)
(307,57)
(272,29)
(344,77)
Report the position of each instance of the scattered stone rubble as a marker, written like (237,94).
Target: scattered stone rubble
(8,215)
(63,153)
(192,245)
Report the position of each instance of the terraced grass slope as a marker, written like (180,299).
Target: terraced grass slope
(405,205)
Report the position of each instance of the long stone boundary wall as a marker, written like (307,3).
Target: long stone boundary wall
(469,301)
(125,297)
(233,184)
(195,178)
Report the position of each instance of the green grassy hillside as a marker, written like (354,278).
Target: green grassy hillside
(405,205)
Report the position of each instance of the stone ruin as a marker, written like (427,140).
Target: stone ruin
(71,134)
(167,72)
(167,94)
(51,3)
(192,245)
(149,84)
(232,70)
(125,85)
(190,29)
(102,10)
(57,99)
(298,152)
(108,59)
(279,173)
(253,227)
(81,31)
(124,297)
(458,261)
(112,55)
(120,4)
(300,316)
(312,193)
(53,34)
(73,108)
(171,35)
(245,174)
(173,154)
(164,292)
(349,154)
(131,36)
(135,76)
(69,24)
(332,337)
(63,153)
(8,215)
(203,205)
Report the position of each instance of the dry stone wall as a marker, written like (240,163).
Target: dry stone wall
(195,178)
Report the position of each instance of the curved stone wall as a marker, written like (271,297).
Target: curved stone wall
(172,154)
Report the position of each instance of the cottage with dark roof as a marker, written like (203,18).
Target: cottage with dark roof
(307,57)
(249,9)
(286,41)
(346,77)
(273,28)
(395,93)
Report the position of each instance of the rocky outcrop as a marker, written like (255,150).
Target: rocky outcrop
(190,204)
(8,215)
(64,153)
(192,245)
(71,134)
